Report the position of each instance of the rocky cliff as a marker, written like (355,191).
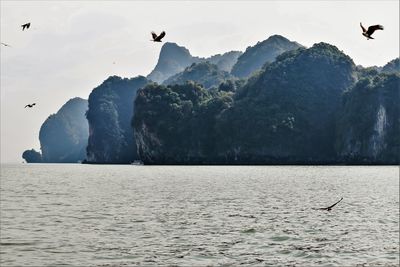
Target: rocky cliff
(205,73)
(263,52)
(174,59)
(368,126)
(109,115)
(63,136)
(286,113)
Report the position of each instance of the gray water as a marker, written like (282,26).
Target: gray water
(93,215)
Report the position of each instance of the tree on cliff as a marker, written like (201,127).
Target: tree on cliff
(109,116)
(175,124)
(285,112)
(368,125)
(204,73)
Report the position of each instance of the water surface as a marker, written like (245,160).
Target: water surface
(94,215)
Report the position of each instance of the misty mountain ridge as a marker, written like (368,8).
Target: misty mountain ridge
(204,73)
(277,102)
(174,58)
(261,53)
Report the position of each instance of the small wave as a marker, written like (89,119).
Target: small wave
(249,231)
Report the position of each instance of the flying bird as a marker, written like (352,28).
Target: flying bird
(157,38)
(26,26)
(6,44)
(371,30)
(328,208)
(30,105)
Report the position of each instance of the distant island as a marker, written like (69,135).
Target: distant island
(278,102)
(63,136)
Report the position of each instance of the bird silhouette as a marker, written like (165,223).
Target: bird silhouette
(6,44)
(328,208)
(157,38)
(30,105)
(26,26)
(371,30)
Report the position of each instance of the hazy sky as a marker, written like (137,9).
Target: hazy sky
(71,46)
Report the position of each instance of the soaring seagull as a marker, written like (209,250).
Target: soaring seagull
(26,26)
(30,105)
(371,30)
(328,208)
(157,38)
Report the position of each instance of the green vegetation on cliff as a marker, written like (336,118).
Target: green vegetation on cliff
(204,73)
(392,66)
(368,126)
(281,104)
(109,115)
(286,112)
(175,124)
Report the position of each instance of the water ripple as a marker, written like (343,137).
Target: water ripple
(82,215)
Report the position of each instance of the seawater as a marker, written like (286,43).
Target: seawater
(97,215)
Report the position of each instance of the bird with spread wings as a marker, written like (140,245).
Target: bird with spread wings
(26,26)
(328,208)
(30,105)
(157,38)
(5,44)
(370,31)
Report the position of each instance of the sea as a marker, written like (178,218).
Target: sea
(132,215)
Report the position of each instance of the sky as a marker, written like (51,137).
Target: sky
(71,45)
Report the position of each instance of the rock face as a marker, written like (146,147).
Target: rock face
(63,136)
(174,59)
(203,73)
(286,113)
(109,115)
(291,105)
(369,122)
(32,156)
(226,61)
(263,52)
(175,124)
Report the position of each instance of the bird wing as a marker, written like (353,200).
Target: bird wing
(28,25)
(26,106)
(160,36)
(6,44)
(373,28)
(363,29)
(334,204)
(154,35)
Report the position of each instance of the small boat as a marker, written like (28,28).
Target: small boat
(137,162)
